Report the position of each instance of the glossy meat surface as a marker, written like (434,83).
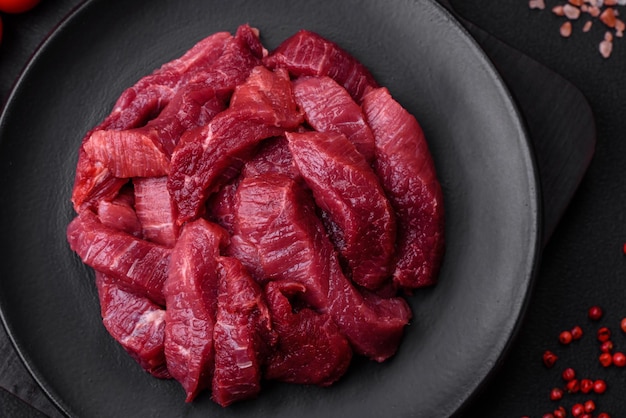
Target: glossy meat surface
(139,266)
(345,186)
(407,172)
(191,291)
(277,216)
(262,107)
(243,334)
(309,54)
(328,107)
(136,322)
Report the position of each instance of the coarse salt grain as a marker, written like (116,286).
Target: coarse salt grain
(606,47)
(571,12)
(608,17)
(566,29)
(604,10)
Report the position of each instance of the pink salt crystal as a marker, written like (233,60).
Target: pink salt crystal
(594,11)
(558,10)
(537,4)
(566,29)
(571,12)
(606,47)
(587,26)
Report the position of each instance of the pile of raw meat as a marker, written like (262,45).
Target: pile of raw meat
(254,215)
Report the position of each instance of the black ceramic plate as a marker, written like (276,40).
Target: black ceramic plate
(460,328)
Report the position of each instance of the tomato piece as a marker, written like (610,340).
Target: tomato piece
(17,6)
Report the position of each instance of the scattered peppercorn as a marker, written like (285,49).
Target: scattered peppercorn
(578,409)
(606,359)
(589,406)
(619,359)
(586,385)
(599,386)
(568,374)
(549,358)
(556,394)
(560,412)
(577,332)
(573,386)
(565,337)
(595,313)
(604,334)
(606,346)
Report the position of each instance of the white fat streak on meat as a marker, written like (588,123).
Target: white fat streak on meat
(150,318)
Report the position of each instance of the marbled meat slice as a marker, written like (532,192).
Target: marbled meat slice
(277,215)
(242,334)
(154,210)
(271,216)
(217,56)
(151,93)
(309,54)
(407,173)
(262,107)
(145,151)
(191,300)
(139,266)
(135,322)
(273,156)
(311,349)
(345,186)
(328,107)
(120,214)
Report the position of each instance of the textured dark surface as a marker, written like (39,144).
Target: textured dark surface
(582,264)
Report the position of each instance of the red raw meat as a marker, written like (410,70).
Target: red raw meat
(119,213)
(146,151)
(151,93)
(407,173)
(308,54)
(347,189)
(277,216)
(262,107)
(311,348)
(242,334)
(154,210)
(191,291)
(143,101)
(328,107)
(272,157)
(136,323)
(139,266)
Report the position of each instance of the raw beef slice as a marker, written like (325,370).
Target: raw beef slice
(276,215)
(261,107)
(242,334)
(407,173)
(191,300)
(135,322)
(308,54)
(139,266)
(345,186)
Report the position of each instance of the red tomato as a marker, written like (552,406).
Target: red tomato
(17,6)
